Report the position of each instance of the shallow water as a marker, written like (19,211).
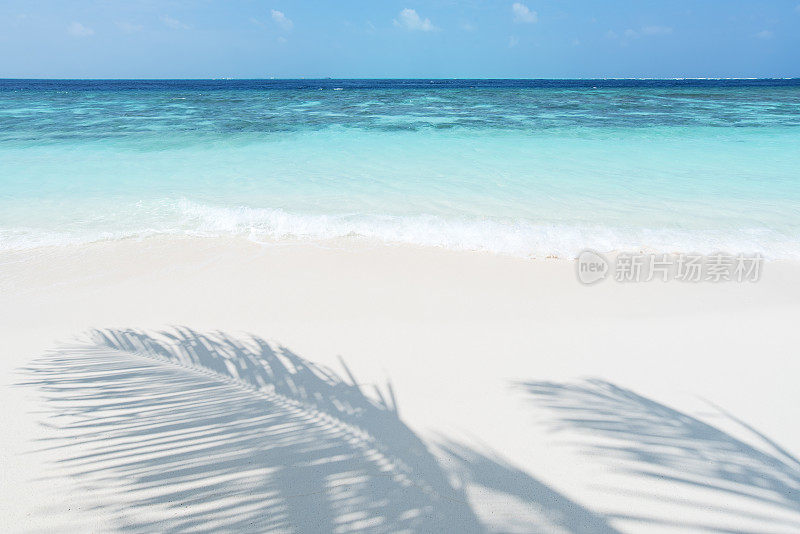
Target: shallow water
(528,168)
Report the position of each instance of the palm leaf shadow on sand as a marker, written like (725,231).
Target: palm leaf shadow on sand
(542,509)
(643,438)
(204,432)
(211,433)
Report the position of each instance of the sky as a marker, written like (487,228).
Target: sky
(406,39)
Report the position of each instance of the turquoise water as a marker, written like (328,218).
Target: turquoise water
(527,168)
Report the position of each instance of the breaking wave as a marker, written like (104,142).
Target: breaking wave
(511,237)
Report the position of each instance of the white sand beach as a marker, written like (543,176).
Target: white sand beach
(180,385)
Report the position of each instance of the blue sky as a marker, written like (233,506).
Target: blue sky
(435,38)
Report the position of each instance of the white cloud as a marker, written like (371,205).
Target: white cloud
(76,29)
(765,34)
(523,14)
(513,41)
(410,20)
(611,34)
(175,24)
(282,20)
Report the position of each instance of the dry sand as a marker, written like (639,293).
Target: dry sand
(526,401)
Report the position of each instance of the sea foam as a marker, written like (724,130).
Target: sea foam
(512,237)
(508,237)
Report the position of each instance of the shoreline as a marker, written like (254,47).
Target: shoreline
(349,243)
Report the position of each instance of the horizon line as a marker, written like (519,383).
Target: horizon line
(457,78)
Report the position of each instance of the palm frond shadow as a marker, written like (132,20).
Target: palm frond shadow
(544,510)
(643,438)
(186,431)
(205,432)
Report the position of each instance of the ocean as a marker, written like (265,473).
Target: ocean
(528,168)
